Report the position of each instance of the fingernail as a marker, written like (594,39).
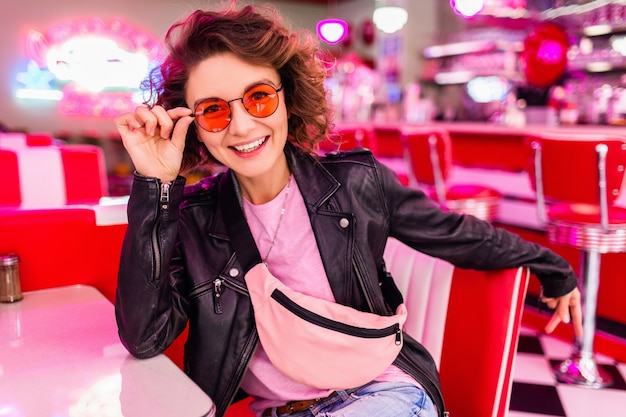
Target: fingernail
(565,319)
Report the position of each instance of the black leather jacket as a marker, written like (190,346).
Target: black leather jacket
(177,265)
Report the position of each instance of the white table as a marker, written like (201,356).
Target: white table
(60,356)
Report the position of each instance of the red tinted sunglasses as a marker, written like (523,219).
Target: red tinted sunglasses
(214,115)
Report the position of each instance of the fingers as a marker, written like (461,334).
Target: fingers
(577,313)
(127,122)
(554,321)
(558,316)
(567,308)
(155,121)
(179,134)
(159,123)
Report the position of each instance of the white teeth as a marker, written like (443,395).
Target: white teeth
(250,146)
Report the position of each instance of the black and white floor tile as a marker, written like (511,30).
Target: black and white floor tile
(537,393)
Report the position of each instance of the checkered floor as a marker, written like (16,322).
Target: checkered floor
(536,393)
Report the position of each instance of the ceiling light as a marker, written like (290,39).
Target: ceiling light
(390,19)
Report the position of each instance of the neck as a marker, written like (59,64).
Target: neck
(260,190)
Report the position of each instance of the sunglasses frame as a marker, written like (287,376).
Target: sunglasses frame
(197,114)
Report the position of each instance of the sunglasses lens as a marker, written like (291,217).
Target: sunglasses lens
(213,114)
(261,100)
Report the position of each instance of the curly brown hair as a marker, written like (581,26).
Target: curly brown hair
(258,35)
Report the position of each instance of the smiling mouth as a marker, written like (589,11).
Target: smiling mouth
(249,147)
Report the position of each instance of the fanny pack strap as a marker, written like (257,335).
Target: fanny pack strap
(236,224)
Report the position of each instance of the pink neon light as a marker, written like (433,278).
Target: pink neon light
(76,101)
(332,30)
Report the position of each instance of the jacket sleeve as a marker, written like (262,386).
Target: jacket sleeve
(150,306)
(468,242)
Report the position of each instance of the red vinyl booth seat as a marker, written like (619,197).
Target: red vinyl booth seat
(51,216)
(468,320)
(62,246)
(54,214)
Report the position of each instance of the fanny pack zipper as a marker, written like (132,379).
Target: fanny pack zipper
(321,321)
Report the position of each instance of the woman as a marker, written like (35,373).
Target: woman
(240,90)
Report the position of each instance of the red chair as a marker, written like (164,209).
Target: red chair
(577,179)
(389,141)
(344,137)
(390,150)
(430,160)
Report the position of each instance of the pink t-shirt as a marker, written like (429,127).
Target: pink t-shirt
(295,260)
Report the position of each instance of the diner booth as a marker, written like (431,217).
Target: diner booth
(67,232)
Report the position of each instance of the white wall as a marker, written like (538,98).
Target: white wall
(154,16)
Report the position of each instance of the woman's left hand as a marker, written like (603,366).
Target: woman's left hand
(566,308)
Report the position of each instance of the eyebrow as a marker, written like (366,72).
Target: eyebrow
(246,88)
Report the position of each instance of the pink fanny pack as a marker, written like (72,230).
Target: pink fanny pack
(320,343)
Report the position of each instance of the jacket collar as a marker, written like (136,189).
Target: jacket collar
(316,183)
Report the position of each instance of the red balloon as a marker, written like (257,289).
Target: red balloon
(544,58)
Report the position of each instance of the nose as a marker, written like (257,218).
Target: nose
(241,122)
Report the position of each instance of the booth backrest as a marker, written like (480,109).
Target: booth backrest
(469,320)
(425,284)
(11,195)
(50,176)
(17,140)
(52,216)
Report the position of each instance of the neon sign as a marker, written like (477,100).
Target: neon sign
(91,67)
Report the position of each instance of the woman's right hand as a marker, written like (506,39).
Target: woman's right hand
(155,139)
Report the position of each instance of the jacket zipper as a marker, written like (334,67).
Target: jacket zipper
(218,285)
(217,296)
(165,195)
(164,200)
(324,322)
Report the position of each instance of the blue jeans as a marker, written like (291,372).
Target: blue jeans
(377,399)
